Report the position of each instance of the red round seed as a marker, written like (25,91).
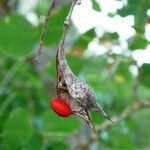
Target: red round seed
(60,107)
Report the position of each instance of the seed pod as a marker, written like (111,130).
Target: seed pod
(60,107)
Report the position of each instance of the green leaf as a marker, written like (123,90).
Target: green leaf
(55,123)
(138,9)
(84,39)
(96,5)
(42,7)
(122,71)
(138,42)
(145,75)
(124,140)
(18,36)
(109,37)
(18,129)
(57,146)
(144,91)
(76,63)
(55,26)
(35,142)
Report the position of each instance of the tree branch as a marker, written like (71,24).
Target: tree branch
(44,29)
(137,106)
(90,138)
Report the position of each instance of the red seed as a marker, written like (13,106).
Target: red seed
(60,107)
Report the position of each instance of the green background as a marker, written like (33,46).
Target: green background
(26,120)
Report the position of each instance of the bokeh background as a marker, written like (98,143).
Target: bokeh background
(107,46)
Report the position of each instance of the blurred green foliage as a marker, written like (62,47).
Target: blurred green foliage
(27,122)
(139,10)
(22,36)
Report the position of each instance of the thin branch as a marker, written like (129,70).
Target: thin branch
(66,25)
(44,29)
(137,106)
(91,138)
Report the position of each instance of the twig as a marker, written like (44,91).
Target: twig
(137,106)
(90,138)
(66,25)
(44,29)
